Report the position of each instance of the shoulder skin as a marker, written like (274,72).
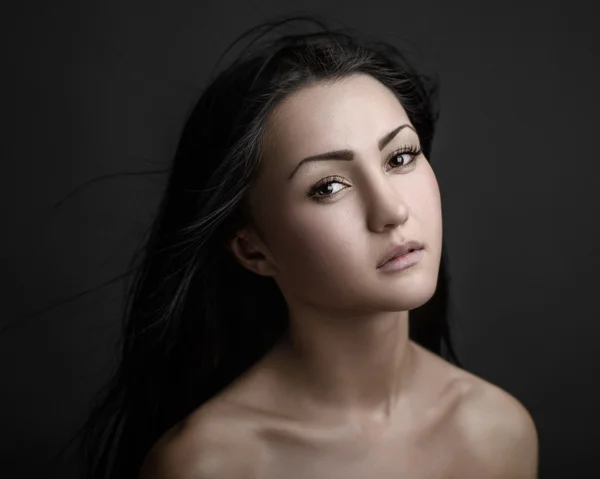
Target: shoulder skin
(202,448)
(499,432)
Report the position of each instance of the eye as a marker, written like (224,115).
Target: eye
(325,184)
(407,158)
(408,155)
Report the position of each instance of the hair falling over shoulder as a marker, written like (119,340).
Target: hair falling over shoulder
(194,319)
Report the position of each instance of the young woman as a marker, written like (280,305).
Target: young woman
(267,332)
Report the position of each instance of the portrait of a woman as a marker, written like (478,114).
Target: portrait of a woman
(288,317)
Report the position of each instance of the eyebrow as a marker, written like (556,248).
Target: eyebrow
(348,155)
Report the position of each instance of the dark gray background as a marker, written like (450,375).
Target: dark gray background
(102,88)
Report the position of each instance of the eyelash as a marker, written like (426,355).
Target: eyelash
(314,189)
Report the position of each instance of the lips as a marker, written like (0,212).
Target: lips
(398,250)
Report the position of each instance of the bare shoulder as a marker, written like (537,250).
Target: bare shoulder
(498,430)
(209,444)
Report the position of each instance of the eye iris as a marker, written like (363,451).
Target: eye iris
(400,156)
(328,187)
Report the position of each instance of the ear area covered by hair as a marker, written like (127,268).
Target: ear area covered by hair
(250,252)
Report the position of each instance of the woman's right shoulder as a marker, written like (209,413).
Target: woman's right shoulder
(208,444)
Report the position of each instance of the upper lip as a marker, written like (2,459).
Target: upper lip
(399,249)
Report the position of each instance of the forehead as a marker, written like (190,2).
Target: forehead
(350,113)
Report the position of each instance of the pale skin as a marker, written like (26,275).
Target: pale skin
(346,393)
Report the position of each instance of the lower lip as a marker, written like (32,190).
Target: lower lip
(403,262)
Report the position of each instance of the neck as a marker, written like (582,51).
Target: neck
(359,365)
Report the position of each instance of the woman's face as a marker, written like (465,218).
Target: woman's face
(324,251)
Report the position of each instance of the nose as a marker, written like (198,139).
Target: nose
(386,206)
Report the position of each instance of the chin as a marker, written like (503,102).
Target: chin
(409,297)
(404,304)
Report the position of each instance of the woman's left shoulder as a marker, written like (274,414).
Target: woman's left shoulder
(497,428)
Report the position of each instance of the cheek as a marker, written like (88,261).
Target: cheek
(316,239)
(428,207)
(315,248)
(430,197)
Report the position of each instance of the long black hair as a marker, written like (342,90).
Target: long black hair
(184,339)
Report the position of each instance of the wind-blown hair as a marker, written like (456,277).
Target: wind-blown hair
(194,318)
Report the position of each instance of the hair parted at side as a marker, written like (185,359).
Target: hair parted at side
(194,318)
